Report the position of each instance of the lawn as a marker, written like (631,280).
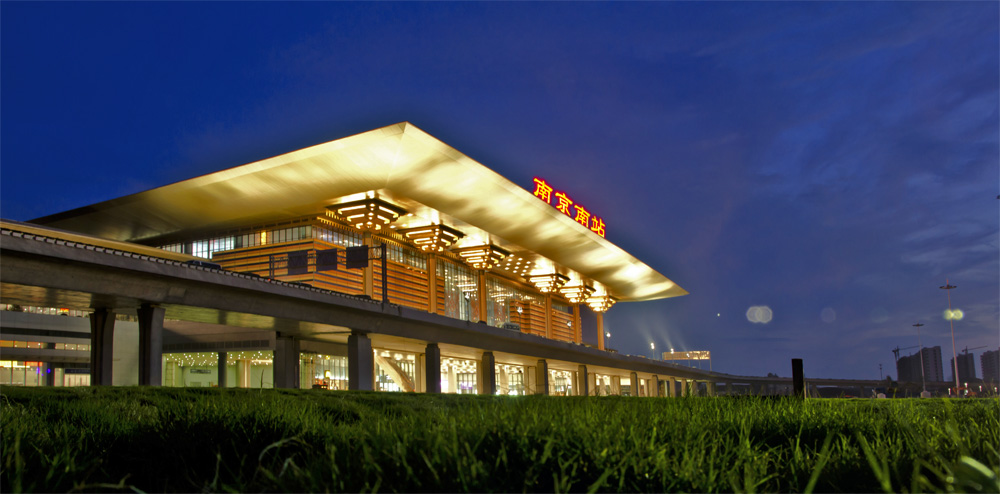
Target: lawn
(238,440)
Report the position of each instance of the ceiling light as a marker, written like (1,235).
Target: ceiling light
(367,214)
(432,238)
(576,294)
(546,283)
(482,256)
(601,303)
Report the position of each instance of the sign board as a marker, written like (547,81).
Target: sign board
(564,204)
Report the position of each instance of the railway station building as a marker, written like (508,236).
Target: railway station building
(385,261)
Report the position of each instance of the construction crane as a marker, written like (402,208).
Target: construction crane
(966,351)
(895,351)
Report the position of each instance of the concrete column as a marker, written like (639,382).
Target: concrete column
(48,374)
(671,385)
(542,378)
(452,380)
(243,373)
(616,385)
(487,374)
(286,361)
(798,383)
(583,381)
(633,379)
(360,362)
(150,344)
(654,387)
(593,387)
(102,338)
(503,382)
(221,373)
(710,386)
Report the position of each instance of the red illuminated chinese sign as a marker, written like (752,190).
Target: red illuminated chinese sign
(563,203)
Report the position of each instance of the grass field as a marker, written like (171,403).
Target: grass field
(163,440)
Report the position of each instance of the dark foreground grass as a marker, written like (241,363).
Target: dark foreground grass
(157,439)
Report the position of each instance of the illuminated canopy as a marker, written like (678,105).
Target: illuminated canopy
(403,166)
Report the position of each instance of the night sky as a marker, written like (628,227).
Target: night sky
(835,162)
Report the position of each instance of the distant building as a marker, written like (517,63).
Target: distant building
(908,368)
(966,368)
(990,362)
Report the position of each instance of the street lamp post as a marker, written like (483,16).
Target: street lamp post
(954,355)
(923,381)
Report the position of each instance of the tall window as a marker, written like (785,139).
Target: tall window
(506,303)
(461,291)
(406,255)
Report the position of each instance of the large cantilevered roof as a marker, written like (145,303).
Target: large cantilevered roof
(399,162)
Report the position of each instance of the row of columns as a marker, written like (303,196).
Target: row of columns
(102,337)
(150,318)
(360,361)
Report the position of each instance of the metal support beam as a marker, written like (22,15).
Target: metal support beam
(360,362)
(150,344)
(102,338)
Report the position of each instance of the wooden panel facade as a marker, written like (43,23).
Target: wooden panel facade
(409,285)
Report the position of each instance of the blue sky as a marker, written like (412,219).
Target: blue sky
(831,159)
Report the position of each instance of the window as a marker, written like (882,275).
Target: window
(506,303)
(461,291)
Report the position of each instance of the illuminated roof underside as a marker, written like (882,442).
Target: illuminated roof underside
(400,162)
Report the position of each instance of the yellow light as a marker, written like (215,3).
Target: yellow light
(601,303)
(482,256)
(953,315)
(576,294)
(547,283)
(370,213)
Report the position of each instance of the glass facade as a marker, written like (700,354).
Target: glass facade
(318,371)
(331,233)
(247,369)
(506,303)
(405,255)
(461,291)
(395,371)
(459,376)
(561,383)
(510,379)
